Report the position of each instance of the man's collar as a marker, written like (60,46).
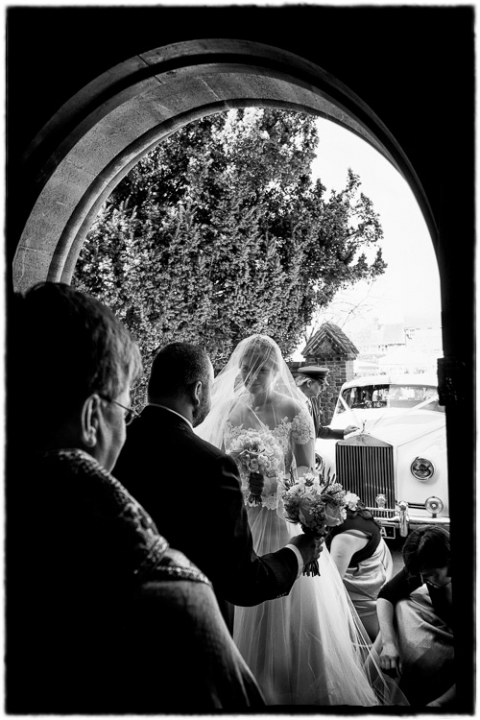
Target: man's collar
(164,407)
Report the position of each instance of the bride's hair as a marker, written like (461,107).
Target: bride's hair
(263,349)
(231,386)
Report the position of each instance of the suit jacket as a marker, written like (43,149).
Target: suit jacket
(191,489)
(322,431)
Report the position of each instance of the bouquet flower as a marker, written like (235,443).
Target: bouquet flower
(351,501)
(317,505)
(261,459)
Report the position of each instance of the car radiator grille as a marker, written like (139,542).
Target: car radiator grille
(367,470)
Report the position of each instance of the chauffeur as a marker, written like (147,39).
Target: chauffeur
(312,380)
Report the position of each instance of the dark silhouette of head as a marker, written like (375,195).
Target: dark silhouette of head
(182,372)
(63,345)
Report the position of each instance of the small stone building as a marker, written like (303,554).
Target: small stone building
(330,348)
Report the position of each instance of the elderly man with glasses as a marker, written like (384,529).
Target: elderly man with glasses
(103,616)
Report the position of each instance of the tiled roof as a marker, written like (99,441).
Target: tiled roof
(330,340)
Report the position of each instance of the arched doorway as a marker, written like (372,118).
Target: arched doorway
(74,162)
(98,135)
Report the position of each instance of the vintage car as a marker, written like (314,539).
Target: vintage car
(397,460)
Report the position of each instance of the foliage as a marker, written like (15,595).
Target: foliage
(219,232)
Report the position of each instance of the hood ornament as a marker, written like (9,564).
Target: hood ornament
(381,501)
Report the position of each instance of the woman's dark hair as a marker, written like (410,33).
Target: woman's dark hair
(64,345)
(428,546)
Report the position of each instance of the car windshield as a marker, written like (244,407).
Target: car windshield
(389,395)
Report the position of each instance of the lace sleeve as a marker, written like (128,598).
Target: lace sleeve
(302,428)
(303,440)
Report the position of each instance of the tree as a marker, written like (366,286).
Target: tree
(220,232)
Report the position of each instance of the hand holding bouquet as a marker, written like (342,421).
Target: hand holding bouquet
(316,505)
(260,459)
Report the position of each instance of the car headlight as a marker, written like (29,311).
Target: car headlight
(422,469)
(434,505)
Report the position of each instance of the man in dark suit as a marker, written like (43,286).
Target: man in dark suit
(191,489)
(312,380)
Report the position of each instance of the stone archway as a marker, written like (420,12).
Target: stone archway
(100,133)
(91,142)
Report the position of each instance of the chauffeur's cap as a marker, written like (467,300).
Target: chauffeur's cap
(313,372)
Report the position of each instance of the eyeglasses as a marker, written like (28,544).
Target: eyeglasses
(130,413)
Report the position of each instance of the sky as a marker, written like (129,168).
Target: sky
(410,286)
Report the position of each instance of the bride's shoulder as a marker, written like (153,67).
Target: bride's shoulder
(289,406)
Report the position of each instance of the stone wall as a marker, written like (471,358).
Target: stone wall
(341,370)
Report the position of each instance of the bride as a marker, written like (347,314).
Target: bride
(307,648)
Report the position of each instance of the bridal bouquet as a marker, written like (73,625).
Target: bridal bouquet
(261,459)
(317,505)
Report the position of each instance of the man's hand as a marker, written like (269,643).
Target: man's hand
(389,659)
(349,429)
(310,546)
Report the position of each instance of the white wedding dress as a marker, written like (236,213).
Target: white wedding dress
(306,648)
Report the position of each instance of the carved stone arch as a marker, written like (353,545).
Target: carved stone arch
(93,141)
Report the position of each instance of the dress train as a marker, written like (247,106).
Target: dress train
(309,647)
